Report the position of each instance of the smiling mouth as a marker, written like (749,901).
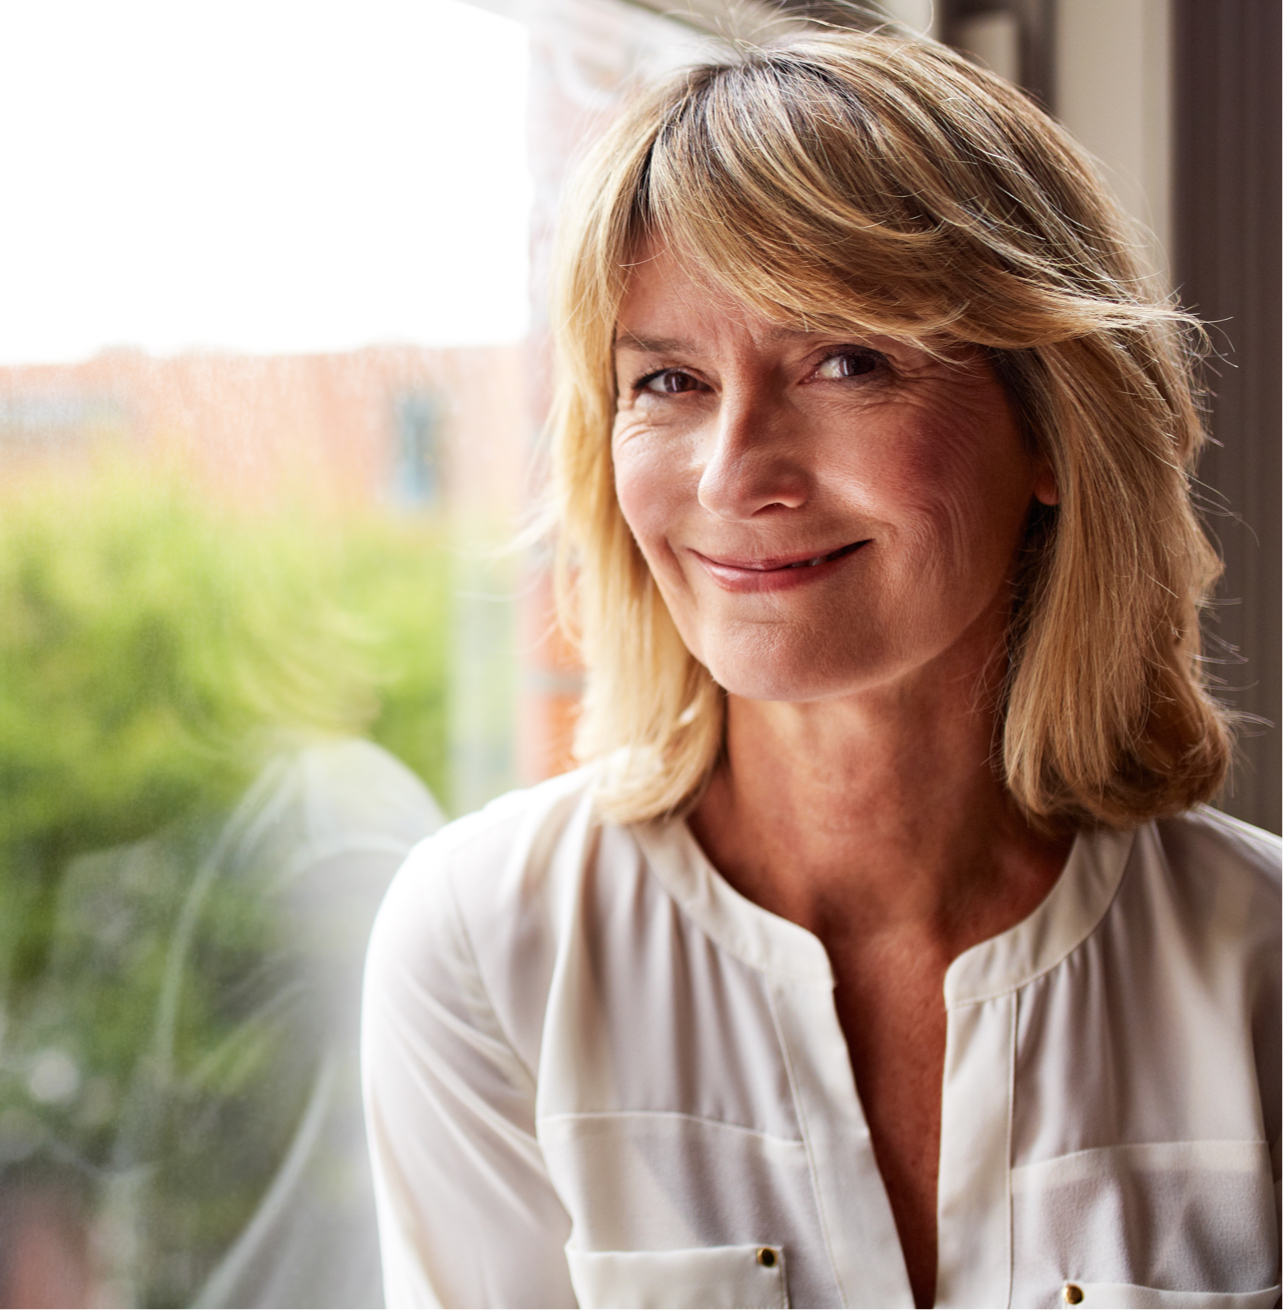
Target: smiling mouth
(823,559)
(782,565)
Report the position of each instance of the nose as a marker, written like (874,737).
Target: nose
(752,462)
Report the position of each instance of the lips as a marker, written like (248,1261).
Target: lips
(779,573)
(822,559)
(775,565)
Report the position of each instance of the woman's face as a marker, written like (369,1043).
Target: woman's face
(823,515)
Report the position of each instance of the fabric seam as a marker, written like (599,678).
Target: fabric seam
(481,982)
(569,1115)
(1130,1146)
(1056,963)
(806,1144)
(811,979)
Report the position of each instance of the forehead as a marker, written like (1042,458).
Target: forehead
(670,306)
(660,282)
(673,308)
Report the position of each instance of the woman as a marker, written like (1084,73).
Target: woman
(877,957)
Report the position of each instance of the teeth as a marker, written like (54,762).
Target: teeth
(822,559)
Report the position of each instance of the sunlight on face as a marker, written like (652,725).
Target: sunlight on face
(822,515)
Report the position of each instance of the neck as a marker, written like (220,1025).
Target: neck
(892,795)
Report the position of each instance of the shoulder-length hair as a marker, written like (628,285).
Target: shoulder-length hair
(871,182)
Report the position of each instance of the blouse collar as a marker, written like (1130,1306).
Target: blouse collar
(1065,917)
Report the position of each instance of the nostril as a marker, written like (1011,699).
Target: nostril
(747,487)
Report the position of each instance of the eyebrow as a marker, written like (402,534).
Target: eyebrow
(676,346)
(652,345)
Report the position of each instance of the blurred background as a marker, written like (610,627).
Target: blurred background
(273,365)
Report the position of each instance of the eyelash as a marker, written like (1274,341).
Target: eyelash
(875,357)
(643,382)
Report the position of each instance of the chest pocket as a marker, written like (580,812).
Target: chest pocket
(1163,1222)
(713,1276)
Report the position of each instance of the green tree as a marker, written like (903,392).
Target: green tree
(157,651)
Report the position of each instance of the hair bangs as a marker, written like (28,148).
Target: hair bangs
(733,187)
(832,203)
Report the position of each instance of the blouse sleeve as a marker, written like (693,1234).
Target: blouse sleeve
(467,1215)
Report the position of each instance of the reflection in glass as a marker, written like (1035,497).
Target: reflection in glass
(193,844)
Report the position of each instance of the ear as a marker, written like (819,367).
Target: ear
(1045,489)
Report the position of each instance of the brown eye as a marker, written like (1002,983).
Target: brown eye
(849,364)
(669,382)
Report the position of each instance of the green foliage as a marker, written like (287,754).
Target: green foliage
(395,578)
(155,651)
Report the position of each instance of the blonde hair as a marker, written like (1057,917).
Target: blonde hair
(876,182)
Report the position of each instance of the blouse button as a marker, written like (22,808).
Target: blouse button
(1072,1293)
(766,1257)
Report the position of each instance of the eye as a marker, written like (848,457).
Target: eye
(669,382)
(850,362)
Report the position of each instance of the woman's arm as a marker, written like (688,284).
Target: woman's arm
(467,1215)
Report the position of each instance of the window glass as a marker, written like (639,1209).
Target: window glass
(263,427)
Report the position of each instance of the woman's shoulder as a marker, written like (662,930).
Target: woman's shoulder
(473,916)
(1204,843)
(1222,878)
(501,850)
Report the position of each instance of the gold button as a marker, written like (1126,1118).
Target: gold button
(1072,1293)
(766,1257)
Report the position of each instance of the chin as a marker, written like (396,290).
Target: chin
(783,676)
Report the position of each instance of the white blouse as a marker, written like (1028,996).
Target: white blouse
(595,1073)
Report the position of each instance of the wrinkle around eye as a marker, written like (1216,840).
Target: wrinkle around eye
(866,362)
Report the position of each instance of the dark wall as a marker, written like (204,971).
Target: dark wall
(1227,269)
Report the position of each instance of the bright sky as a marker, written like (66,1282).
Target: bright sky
(259,175)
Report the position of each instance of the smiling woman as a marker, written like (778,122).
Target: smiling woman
(888,486)
(883,952)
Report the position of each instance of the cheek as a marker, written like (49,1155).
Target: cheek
(966,488)
(648,488)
